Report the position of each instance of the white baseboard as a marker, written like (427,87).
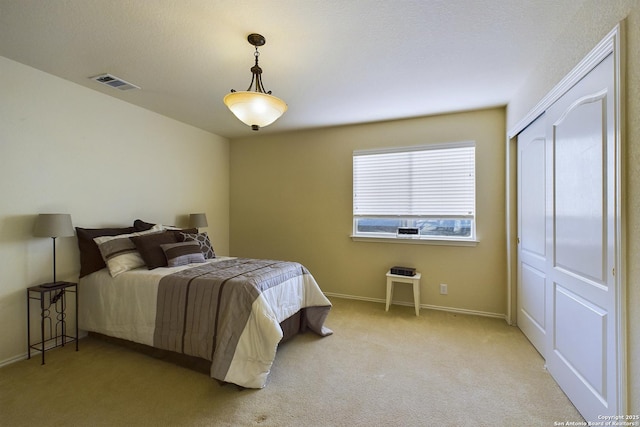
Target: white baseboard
(13,359)
(427,306)
(35,351)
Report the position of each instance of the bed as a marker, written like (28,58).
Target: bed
(166,288)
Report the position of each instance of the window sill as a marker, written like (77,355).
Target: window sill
(413,241)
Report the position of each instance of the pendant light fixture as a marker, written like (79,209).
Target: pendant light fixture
(256,108)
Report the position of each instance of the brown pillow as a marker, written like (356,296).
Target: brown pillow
(141,225)
(150,250)
(90,256)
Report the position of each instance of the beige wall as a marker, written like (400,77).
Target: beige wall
(65,148)
(60,145)
(291,199)
(594,20)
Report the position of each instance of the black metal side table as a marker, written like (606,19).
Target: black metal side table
(53,302)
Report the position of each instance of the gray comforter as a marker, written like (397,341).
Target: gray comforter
(229,313)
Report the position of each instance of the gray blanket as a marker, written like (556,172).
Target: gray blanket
(203,311)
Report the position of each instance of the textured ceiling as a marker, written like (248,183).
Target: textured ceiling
(333,61)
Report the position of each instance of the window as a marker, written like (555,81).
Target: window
(428,188)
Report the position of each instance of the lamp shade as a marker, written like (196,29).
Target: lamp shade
(255,109)
(197,220)
(53,225)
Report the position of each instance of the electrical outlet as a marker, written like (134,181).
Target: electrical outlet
(443,289)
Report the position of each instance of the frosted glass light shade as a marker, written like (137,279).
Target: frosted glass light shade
(255,109)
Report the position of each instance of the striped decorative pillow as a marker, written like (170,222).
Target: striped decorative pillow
(120,253)
(182,253)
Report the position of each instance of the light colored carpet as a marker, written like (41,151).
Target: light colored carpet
(378,369)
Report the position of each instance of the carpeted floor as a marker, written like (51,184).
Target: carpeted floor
(378,369)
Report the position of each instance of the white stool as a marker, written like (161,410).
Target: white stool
(414,280)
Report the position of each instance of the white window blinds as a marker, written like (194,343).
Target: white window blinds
(425,181)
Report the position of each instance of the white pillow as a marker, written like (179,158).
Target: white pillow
(120,253)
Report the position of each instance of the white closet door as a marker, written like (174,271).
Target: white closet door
(532,250)
(580,308)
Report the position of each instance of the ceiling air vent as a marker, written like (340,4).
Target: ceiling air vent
(115,82)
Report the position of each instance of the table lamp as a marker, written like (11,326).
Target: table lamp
(198,220)
(53,225)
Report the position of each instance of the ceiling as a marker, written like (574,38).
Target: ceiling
(333,62)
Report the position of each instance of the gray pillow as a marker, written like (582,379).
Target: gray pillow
(182,253)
